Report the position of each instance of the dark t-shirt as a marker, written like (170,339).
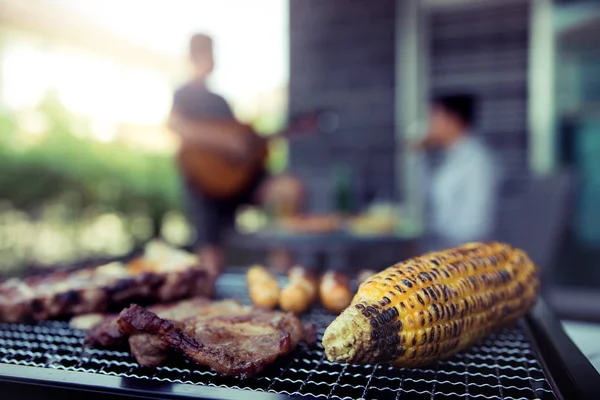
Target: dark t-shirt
(210,216)
(194,101)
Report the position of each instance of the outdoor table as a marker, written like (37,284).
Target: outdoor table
(331,250)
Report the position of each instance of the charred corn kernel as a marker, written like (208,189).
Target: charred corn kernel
(433,306)
(263,287)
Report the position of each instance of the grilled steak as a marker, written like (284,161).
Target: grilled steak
(105,333)
(229,338)
(103,330)
(162,274)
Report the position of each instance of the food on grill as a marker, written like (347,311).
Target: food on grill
(263,287)
(312,224)
(335,291)
(430,307)
(161,274)
(229,338)
(103,333)
(365,274)
(103,330)
(301,292)
(86,321)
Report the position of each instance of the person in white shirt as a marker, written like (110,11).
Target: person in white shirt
(462,190)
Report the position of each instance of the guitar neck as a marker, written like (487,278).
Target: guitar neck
(302,124)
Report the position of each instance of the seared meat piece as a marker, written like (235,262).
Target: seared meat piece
(182,274)
(104,332)
(229,338)
(150,350)
(62,293)
(162,274)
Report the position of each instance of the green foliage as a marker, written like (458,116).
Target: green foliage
(74,169)
(278,151)
(69,168)
(8,129)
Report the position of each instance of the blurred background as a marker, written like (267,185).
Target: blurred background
(85,90)
(87,165)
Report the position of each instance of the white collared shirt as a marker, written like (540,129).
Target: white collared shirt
(463,193)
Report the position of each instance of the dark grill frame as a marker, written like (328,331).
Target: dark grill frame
(534,359)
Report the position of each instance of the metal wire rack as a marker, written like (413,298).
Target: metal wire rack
(503,366)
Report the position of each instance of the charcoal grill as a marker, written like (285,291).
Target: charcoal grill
(533,360)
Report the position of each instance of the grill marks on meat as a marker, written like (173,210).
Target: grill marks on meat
(106,334)
(229,338)
(112,286)
(105,331)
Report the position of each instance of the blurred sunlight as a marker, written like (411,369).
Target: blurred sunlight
(85,89)
(250,51)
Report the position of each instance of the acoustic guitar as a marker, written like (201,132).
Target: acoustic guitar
(220,177)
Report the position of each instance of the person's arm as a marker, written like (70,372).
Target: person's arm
(227,136)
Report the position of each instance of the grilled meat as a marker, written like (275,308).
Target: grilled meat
(229,338)
(105,331)
(150,350)
(162,274)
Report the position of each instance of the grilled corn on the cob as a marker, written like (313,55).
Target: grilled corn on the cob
(433,306)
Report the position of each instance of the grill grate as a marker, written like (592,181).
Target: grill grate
(502,366)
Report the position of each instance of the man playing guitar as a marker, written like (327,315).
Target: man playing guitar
(221,159)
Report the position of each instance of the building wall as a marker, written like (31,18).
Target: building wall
(483,49)
(342,56)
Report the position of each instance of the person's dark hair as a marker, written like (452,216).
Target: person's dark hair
(201,45)
(461,106)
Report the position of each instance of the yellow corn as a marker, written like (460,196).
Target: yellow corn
(433,306)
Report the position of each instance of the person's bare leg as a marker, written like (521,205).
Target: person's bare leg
(212,257)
